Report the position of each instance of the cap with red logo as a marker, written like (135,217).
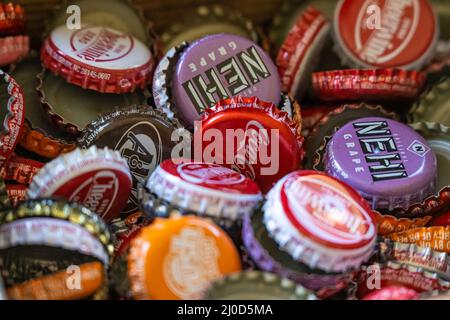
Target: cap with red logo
(99,179)
(320,221)
(297,56)
(269,147)
(368,85)
(386,34)
(12,115)
(206,189)
(98,58)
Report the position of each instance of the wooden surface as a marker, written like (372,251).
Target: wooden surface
(161,12)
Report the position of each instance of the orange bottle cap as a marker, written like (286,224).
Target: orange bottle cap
(178,258)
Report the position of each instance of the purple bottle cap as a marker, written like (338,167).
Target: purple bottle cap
(386,161)
(222,66)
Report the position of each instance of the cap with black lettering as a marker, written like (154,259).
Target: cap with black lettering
(389,163)
(212,69)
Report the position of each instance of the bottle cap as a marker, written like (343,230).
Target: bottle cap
(42,236)
(335,119)
(20,169)
(263,126)
(440,220)
(206,189)
(411,254)
(438,138)
(13,48)
(267,256)
(12,20)
(55,224)
(217,67)
(405,38)
(297,57)
(121,15)
(164,260)
(161,90)
(141,135)
(320,221)
(387,224)
(367,85)
(54,286)
(16,193)
(287,16)
(436,238)
(38,134)
(256,285)
(393,273)
(200,21)
(125,229)
(12,115)
(71,108)
(434,105)
(393,292)
(399,163)
(96,178)
(98,58)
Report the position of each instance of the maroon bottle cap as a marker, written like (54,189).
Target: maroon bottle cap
(297,57)
(17,193)
(261,127)
(12,115)
(403,35)
(96,178)
(386,161)
(367,85)
(20,169)
(218,67)
(98,58)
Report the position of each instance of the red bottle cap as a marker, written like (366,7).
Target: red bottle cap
(441,220)
(298,55)
(13,48)
(269,145)
(13,115)
(400,34)
(11,19)
(16,193)
(393,292)
(99,179)
(98,58)
(320,221)
(20,169)
(204,188)
(371,84)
